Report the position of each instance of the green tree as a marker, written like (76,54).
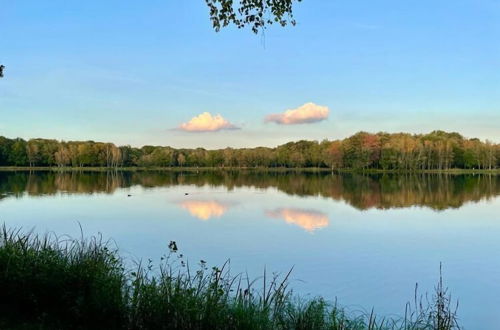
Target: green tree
(18,156)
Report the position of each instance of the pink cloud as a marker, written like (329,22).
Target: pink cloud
(205,122)
(305,114)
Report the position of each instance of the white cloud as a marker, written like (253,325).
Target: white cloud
(205,122)
(305,114)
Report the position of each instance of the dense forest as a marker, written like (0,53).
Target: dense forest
(437,150)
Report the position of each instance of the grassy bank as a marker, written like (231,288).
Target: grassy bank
(262,169)
(48,282)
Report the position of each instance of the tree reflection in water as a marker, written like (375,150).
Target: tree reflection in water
(383,191)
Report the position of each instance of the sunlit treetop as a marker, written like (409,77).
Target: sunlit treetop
(256,14)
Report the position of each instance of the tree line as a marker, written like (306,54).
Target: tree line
(437,150)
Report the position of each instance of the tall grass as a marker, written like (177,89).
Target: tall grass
(50,282)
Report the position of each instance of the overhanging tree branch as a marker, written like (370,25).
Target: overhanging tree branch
(254,13)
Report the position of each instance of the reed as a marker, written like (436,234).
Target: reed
(56,282)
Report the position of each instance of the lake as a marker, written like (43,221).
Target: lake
(363,239)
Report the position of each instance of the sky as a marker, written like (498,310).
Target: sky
(155,72)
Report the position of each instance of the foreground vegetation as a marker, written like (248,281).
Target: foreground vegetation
(51,283)
(437,150)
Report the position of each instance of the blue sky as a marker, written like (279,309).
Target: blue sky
(131,72)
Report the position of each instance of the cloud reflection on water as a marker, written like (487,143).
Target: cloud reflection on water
(205,209)
(310,220)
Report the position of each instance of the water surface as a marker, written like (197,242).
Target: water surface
(364,239)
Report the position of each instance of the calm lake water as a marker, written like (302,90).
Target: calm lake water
(365,240)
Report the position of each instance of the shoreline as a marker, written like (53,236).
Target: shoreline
(258,169)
